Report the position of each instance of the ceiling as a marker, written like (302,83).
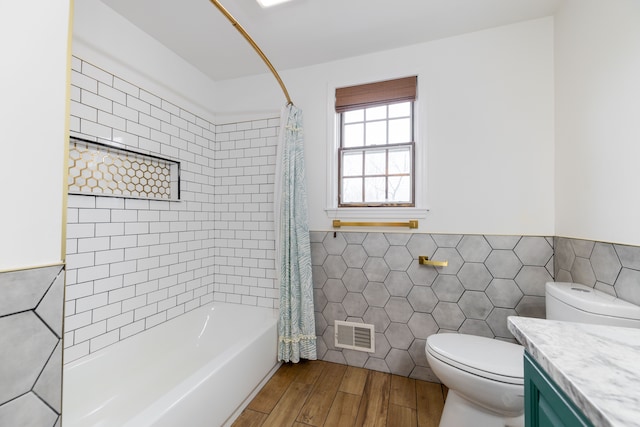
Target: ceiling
(307,32)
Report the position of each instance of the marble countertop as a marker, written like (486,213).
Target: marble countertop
(598,367)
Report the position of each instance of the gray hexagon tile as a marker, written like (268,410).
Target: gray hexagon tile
(447,240)
(50,307)
(375,278)
(605,263)
(531,280)
(582,248)
(421,244)
(23,290)
(422,325)
(27,410)
(375,244)
(474,276)
(582,272)
(399,336)
(627,285)
(334,290)
(534,251)
(504,293)
(503,242)
(376,269)
(48,384)
(399,362)
(497,321)
(354,238)
(448,288)
(398,258)
(629,256)
(354,279)
(503,264)
(318,253)
(475,305)
(334,266)
(382,346)
(354,256)
(448,315)
(334,244)
(27,343)
(422,299)
(354,304)
(398,283)
(398,239)
(564,254)
(474,248)
(398,309)
(376,294)
(378,317)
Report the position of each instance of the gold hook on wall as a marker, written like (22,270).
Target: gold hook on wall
(255,47)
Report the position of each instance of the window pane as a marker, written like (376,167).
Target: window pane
(352,164)
(377,113)
(375,163)
(399,131)
(374,189)
(352,190)
(399,189)
(353,135)
(377,133)
(354,116)
(400,161)
(402,109)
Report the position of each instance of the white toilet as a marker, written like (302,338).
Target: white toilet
(485,376)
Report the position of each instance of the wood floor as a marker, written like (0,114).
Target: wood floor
(317,393)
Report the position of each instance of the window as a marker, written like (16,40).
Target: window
(376,153)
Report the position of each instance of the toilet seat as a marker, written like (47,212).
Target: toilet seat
(485,357)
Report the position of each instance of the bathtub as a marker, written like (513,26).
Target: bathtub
(198,369)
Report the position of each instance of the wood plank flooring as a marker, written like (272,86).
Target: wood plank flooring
(324,394)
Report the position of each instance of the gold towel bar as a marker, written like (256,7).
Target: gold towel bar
(424,260)
(411,224)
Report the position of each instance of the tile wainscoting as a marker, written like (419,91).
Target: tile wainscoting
(609,267)
(31,346)
(375,278)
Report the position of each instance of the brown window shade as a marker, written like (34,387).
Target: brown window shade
(367,95)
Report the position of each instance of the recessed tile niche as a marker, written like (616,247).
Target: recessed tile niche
(99,169)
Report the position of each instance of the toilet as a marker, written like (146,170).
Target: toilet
(485,376)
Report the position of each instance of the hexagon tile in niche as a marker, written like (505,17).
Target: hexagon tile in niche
(375,278)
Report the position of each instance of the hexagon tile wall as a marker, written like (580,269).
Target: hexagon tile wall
(375,278)
(31,347)
(108,171)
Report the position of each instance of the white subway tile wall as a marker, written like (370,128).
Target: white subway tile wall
(132,264)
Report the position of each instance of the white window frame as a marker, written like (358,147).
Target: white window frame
(419,211)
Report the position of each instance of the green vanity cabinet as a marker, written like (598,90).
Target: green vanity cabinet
(545,404)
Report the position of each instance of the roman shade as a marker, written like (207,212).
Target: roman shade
(371,94)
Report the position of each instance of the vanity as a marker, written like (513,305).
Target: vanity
(579,374)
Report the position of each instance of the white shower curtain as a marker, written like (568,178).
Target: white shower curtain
(297,338)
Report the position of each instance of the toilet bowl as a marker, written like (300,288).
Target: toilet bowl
(485,380)
(485,376)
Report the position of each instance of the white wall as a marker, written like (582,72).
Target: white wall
(485,112)
(33,84)
(598,120)
(101,36)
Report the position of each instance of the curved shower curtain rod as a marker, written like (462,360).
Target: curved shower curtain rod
(255,47)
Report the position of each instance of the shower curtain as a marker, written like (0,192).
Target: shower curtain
(297,338)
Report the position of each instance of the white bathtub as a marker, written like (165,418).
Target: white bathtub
(196,370)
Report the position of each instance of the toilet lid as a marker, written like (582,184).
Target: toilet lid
(486,357)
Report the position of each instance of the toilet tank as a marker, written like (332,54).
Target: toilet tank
(578,303)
